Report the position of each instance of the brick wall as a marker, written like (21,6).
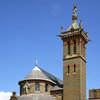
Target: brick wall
(32,87)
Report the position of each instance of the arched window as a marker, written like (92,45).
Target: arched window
(68,48)
(74,68)
(94,94)
(74,47)
(46,88)
(68,69)
(37,87)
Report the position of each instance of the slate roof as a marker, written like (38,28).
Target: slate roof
(39,74)
(53,78)
(35,97)
(56,88)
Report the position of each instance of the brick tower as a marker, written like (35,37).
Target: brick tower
(74,60)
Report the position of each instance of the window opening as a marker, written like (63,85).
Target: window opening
(37,87)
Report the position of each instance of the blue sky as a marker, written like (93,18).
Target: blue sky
(28,30)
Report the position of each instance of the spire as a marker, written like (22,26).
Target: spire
(36,66)
(74,25)
(36,62)
(74,17)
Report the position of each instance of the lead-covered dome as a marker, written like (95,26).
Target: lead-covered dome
(39,74)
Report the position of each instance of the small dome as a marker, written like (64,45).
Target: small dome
(39,74)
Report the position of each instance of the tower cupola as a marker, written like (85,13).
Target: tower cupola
(74,60)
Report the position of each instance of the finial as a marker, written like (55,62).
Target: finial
(36,62)
(74,9)
(61,29)
(13,97)
(74,17)
(80,25)
(14,93)
(87,33)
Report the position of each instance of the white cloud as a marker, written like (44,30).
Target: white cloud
(5,95)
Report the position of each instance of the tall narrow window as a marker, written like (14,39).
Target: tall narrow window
(68,69)
(95,94)
(68,48)
(59,94)
(74,47)
(46,88)
(74,68)
(54,94)
(37,87)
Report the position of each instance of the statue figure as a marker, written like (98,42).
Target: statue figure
(74,9)
(26,87)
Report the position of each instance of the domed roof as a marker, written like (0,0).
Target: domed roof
(39,74)
(55,88)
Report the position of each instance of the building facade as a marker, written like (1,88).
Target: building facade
(94,94)
(41,85)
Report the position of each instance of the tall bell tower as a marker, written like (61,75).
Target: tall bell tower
(74,60)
